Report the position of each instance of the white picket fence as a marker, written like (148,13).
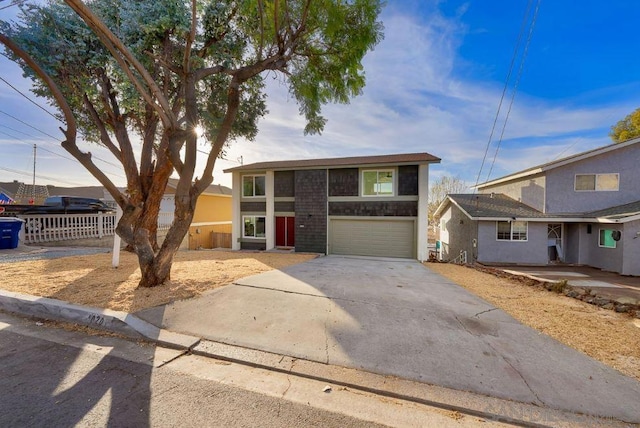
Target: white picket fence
(40,228)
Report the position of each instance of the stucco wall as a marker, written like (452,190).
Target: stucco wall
(211,208)
(592,254)
(460,231)
(561,196)
(533,251)
(631,244)
(529,191)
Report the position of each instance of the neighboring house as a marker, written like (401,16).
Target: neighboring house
(583,209)
(211,224)
(371,205)
(23,193)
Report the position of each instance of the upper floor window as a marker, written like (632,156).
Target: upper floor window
(511,230)
(253,185)
(597,182)
(377,182)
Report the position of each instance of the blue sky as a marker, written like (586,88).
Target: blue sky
(434,85)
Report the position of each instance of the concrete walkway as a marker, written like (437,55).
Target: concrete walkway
(607,284)
(396,317)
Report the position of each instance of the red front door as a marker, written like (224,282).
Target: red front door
(285,231)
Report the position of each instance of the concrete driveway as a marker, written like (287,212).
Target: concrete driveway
(397,317)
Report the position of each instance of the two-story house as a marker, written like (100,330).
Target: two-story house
(583,209)
(369,205)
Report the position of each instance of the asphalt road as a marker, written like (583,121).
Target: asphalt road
(47,384)
(51,377)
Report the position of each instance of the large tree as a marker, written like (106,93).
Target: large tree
(627,128)
(153,71)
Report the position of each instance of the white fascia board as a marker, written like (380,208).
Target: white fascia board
(442,206)
(560,163)
(511,177)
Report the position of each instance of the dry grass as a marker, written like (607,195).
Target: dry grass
(612,338)
(90,280)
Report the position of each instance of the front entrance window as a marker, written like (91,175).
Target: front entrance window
(254,227)
(554,241)
(607,238)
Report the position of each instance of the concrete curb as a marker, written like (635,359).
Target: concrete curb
(103,319)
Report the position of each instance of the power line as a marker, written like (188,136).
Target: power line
(14,3)
(51,151)
(506,85)
(515,86)
(30,174)
(29,99)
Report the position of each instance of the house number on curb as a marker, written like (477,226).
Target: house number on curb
(96,319)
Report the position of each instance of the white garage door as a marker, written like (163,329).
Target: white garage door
(383,238)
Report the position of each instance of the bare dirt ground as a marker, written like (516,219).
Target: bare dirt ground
(90,280)
(609,337)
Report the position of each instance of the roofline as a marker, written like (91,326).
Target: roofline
(559,163)
(275,167)
(604,220)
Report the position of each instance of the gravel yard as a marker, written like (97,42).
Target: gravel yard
(612,338)
(90,280)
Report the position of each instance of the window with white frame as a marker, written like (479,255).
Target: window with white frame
(511,230)
(253,185)
(377,182)
(606,238)
(597,182)
(254,226)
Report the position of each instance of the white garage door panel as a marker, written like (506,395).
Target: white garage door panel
(384,238)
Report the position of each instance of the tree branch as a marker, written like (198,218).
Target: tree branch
(126,60)
(186,62)
(104,135)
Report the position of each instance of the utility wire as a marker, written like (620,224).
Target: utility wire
(18,140)
(515,86)
(15,3)
(30,126)
(30,174)
(506,85)
(28,98)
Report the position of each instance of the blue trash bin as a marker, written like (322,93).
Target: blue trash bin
(9,232)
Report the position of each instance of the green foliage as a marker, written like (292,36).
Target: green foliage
(627,128)
(316,46)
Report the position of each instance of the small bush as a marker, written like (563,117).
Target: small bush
(558,287)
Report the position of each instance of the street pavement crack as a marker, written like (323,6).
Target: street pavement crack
(540,401)
(172,359)
(503,358)
(484,312)
(326,334)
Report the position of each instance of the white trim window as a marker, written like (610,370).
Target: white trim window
(606,238)
(511,230)
(378,182)
(597,182)
(253,226)
(253,186)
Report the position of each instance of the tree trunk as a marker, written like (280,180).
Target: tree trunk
(156,267)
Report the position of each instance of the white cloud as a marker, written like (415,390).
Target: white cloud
(413,102)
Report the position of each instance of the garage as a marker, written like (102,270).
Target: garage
(372,237)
